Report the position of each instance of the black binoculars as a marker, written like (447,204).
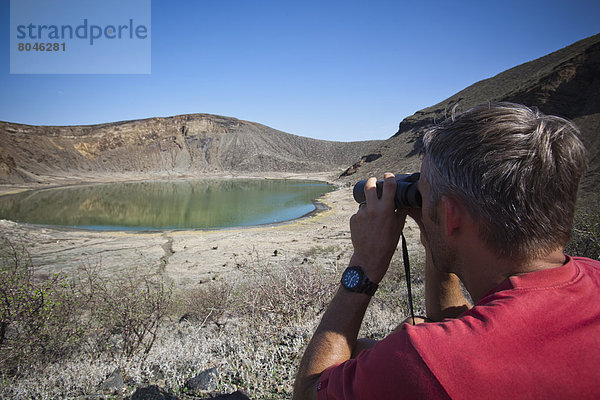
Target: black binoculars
(407,194)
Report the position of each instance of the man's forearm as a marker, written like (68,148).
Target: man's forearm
(333,341)
(443,294)
(375,230)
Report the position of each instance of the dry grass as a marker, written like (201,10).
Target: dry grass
(254,331)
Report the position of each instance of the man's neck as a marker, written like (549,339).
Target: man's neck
(554,259)
(482,270)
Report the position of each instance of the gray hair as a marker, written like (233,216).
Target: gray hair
(515,169)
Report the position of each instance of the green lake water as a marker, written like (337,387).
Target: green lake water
(175,204)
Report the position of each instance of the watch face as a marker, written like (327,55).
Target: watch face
(351,278)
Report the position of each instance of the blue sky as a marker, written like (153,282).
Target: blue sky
(335,70)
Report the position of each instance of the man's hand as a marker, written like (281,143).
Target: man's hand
(376,229)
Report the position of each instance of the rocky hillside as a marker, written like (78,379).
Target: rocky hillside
(565,83)
(186,144)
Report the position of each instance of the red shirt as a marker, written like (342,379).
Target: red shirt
(534,336)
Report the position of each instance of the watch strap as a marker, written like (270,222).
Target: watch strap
(369,287)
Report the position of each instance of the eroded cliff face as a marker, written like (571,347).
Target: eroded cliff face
(196,143)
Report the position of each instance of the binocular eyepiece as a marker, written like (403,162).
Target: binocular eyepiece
(407,194)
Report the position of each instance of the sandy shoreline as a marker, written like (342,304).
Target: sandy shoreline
(192,257)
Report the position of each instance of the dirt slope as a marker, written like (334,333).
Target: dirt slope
(565,83)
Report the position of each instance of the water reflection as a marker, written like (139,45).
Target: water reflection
(166,204)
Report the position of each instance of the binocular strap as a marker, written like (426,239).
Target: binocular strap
(407,275)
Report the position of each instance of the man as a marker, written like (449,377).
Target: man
(499,184)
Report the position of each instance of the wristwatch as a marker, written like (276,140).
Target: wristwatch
(355,280)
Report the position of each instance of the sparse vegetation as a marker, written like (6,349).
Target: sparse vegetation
(253,331)
(123,314)
(62,336)
(47,320)
(36,320)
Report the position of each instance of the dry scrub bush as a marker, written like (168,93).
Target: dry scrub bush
(258,327)
(47,323)
(252,329)
(289,293)
(123,312)
(213,302)
(37,319)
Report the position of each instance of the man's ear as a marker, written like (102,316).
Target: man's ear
(454,215)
